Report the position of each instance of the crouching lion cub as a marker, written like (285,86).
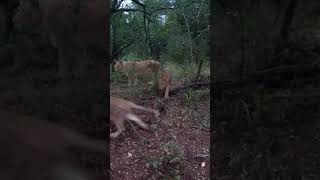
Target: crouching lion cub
(121,110)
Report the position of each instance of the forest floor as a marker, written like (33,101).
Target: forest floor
(176,147)
(279,139)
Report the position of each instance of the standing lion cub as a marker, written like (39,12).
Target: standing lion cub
(165,82)
(121,110)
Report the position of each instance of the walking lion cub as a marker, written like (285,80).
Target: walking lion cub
(165,82)
(121,110)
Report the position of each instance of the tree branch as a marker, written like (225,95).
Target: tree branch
(195,85)
(200,32)
(161,9)
(120,50)
(138,3)
(129,10)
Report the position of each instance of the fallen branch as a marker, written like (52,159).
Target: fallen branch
(201,128)
(275,76)
(288,69)
(189,86)
(297,95)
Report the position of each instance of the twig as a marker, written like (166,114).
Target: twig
(201,128)
(136,130)
(188,86)
(298,95)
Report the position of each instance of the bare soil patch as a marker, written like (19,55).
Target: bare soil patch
(177,147)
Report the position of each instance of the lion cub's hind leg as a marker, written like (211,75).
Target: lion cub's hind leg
(135,78)
(166,95)
(120,124)
(120,128)
(135,118)
(129,79)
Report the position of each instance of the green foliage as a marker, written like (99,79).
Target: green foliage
(165,32)
(192,97)
(184,72)
(117,76)
(129,57)
(170,161)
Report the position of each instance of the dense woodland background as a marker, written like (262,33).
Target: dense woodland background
(265,58)
(176,34)
(266,89)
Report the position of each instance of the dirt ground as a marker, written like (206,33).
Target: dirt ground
(293,154)
(279,150)
(176,147)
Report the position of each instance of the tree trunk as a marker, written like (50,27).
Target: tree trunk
(284,30)
(7,10)
(83,63)
(63,68)
(3,25)
(199,69)
(190,38)
(243,46)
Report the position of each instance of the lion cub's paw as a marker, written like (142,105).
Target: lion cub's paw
(114,135)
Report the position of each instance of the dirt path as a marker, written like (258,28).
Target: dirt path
(177,147)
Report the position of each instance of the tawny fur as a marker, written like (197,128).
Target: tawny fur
(33,149)
(133,69)
(121,110)
(165,82)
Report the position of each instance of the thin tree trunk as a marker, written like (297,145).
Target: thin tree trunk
(63,69)
(199,69)
(8,12)
(114,47)
(284,30)
(190,38)
(243,48)
(287,21)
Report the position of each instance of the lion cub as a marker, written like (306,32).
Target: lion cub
(133,69)
(164,83)
(121,110)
